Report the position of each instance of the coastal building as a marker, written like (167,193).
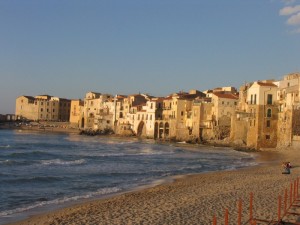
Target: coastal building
(94,109)
(202,119)
(288,101)
(128,109)
(43,107)
(223,110)
(256,119)
(176,121)
(145,116)
(76,111)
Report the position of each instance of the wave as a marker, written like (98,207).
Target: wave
(99,192)
(62,162)
(5,146)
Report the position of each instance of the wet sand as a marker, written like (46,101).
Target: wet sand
(190,199)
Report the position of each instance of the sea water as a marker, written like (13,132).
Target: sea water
(41,170)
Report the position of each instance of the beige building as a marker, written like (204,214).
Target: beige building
(176,122)
(43,107)
(96,112)
(223,111)
(288,101)
(256,120)
(76,111)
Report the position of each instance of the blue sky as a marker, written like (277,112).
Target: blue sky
(66,48)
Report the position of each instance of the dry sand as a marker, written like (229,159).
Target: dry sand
(191,199)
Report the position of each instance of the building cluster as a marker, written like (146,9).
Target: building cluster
(262,114)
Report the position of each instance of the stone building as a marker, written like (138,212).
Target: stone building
(97,111)
(176,122)
(288,100)
(76,111)
(224,105)
(43,107)
(256,119)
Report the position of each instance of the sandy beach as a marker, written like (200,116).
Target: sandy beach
(190,199)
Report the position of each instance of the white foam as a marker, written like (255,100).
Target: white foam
(62,162)
(4,146)
(102,191)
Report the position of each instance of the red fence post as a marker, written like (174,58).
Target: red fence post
(251,207)
(240,212)
(279,208)
(214,220)
(226,217)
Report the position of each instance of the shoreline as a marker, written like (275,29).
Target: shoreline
(199,196)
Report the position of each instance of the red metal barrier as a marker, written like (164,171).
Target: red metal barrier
(215,220)
(282,208)
(240,212)
(226,217)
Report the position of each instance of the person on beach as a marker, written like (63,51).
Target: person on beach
(286,167)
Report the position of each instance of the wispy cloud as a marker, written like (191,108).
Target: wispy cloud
(289,10)
(293,14)
(294,19)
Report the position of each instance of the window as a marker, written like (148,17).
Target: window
(42,110)
(269,113)
(181,113)
(268,123)
(268,137)
(251,99)
(255,99)
(269,99)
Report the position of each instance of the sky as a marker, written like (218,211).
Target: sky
(66,48)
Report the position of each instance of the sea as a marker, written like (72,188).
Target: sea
(42,171)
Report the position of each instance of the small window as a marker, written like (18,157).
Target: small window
(269,113)
(268,137)
(268,123)
(269,99)
(181,113)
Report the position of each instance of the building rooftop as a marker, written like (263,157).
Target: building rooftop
(226,95)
